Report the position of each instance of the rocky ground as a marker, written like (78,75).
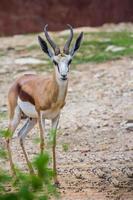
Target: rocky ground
(94,149)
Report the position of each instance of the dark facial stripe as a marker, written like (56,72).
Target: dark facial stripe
(58,69)
(56,65)
(69,62)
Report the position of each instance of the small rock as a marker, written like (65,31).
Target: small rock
(114,48)
(99,173)
(29,60)
(128,172)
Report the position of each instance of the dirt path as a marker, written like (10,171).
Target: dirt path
(99,160)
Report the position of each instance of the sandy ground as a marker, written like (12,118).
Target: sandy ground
(99,160)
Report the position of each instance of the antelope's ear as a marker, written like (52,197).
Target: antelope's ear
(44,47)
(77,44)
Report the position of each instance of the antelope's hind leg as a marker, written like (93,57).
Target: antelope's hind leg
(14,122)
(27,127)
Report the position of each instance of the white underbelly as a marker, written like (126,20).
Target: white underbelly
(29,110)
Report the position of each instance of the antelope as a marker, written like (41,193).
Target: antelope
(36,97)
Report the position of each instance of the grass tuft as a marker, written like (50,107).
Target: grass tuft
(94,47)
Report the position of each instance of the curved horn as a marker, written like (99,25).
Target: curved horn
(68,42)
(53,45)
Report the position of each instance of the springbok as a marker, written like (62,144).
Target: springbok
(37,98)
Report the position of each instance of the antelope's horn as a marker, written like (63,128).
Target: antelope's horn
(68,42)
(53,45)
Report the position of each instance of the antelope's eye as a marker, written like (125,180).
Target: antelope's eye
(55,62)
(69,62)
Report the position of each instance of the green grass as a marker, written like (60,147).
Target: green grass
(92,50)
(2,53)
(33,47)
(3,115)
(94,45)
(25,186)
(65,147)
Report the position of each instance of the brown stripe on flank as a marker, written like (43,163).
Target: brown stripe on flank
(24,96)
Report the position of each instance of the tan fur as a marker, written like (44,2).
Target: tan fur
(12,100)
(43,91)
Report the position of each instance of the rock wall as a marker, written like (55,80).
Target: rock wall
(26,16)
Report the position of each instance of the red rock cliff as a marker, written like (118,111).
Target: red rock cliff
(24,16)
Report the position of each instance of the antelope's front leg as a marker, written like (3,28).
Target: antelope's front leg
(41,122)
(55,122)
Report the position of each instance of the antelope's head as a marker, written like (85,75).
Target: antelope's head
(60,60)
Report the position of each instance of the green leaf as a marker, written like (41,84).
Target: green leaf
(65,147)
(4,177)
(44,197)
(6,134)
(36,182)
(25,193)
(3,153)
(11,196)
(52,136)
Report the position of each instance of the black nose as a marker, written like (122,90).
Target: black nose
(64,77)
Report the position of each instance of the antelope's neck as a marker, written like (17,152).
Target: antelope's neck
(61,87)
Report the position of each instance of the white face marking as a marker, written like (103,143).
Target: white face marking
(62,66)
